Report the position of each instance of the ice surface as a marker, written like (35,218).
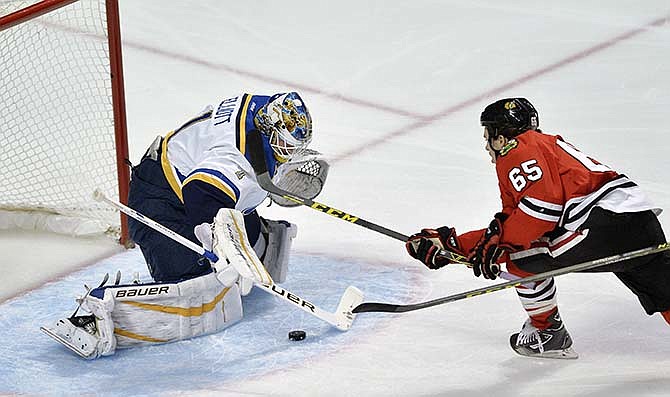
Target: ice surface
(255,347)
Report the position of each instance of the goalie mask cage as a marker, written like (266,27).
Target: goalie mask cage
(62,119)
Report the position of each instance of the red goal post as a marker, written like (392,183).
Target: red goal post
(62,119)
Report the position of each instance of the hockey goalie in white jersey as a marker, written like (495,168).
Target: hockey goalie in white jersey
(199,182)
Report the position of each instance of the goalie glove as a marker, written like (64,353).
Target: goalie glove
(304,176)
(226,273)
(426,245)
(230,241)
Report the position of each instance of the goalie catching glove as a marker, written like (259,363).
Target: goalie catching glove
(304,175)
(427,244)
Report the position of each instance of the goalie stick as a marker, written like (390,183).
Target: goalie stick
(342,318)
(257,160)
(368,307)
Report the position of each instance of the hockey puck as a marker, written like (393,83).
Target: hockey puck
(297,335)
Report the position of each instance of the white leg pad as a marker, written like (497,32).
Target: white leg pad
(178,311)
(145,314)
(102,309)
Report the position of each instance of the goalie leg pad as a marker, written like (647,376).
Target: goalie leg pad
(178,311)
(144,314)
(277,237)
(102,310)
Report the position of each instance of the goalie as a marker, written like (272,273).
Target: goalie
(198,181)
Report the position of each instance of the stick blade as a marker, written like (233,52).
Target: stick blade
(370,307)
(345,317)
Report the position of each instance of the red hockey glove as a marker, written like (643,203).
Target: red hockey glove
(488,250)
(426,245)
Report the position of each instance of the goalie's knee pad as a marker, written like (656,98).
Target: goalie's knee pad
(274,246)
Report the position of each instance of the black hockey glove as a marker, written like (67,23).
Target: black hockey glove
(488,250)
(426,245)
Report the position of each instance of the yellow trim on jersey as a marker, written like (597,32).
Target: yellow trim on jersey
(241,232)
(167,168)
(211,180)
(181,311)
(133,335)
(242,128)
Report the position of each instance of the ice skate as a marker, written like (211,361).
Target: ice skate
(78,334)
(553,342)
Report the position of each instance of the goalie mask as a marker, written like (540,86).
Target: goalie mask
(286,121)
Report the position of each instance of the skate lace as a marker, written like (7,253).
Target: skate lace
(90,327)
(529,334)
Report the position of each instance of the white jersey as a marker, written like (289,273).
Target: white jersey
(211,148)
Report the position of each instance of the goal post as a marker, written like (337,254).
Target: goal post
(62,116)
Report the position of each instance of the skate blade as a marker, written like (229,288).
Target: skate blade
(64,342)
(565,354)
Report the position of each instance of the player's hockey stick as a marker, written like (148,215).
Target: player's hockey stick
(257,160)
(396,308)
(342,318)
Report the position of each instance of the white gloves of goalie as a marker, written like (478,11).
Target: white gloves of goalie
(225,271)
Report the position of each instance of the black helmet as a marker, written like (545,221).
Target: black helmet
(509,117)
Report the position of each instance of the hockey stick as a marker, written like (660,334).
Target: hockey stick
(257,160)
(395,308)
(342,318)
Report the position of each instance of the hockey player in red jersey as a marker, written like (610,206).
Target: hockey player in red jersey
(559,207)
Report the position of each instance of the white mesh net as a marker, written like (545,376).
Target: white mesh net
(56,120)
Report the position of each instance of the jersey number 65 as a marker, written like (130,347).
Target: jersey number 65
(529,171)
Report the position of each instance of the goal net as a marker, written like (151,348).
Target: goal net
(62,119)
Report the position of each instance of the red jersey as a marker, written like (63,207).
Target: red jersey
(546,183)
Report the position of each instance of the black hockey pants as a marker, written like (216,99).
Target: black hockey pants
(609,234)
(151,195)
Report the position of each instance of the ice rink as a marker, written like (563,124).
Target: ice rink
(395,90)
